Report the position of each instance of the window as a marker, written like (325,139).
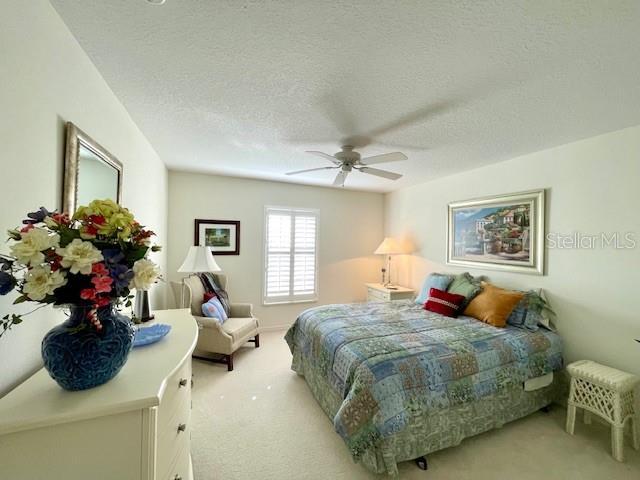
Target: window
(290,255)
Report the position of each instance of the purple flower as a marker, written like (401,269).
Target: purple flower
(121,275)
(112,256)
(37,216)
(7,282)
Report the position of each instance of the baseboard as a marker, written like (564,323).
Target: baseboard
(275,328)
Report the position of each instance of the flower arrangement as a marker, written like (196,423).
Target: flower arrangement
(92,259)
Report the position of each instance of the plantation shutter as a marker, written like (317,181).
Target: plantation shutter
(290,255)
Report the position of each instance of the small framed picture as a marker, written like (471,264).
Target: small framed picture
(221,236)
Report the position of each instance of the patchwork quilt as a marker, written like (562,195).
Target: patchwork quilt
(388,362)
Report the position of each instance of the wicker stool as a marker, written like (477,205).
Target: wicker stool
(608,393)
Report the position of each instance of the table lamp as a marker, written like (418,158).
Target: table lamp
(388,247)
(198,260)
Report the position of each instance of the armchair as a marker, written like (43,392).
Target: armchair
(215,338)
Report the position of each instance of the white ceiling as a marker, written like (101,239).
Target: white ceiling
(241,87)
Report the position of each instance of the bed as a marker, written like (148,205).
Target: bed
(399,382)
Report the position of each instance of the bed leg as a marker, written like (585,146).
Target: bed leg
(421,462)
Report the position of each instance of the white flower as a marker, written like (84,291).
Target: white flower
(145,274)
(79,255)
(41,281)
(50,222)
(28,250)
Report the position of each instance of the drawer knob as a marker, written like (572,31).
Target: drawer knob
(177,477)
(182,427)
(182,382)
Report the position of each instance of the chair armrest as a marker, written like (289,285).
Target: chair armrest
(241,310)
(206,322)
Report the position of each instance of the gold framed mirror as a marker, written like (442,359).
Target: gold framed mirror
(90,171)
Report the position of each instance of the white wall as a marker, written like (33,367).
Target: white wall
(47,79)
(592,187)
(350,229)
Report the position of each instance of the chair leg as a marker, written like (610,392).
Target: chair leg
(634,432)
(230,363)
(257,341)
(571,418)
(617,442)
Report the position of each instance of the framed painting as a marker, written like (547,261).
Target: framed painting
(221,236)
(503,232)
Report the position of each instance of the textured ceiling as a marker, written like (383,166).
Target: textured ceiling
(242,87)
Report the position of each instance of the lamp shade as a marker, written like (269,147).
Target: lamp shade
(389,246)
(199,259)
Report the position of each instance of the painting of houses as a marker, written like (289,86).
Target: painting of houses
(501,232)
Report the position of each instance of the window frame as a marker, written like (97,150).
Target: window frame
(291,298)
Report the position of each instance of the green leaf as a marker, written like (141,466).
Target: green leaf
(67,235)
(14,234)
(21,299)
(136,253)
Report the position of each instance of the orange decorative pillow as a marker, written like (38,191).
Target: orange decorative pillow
(493,305)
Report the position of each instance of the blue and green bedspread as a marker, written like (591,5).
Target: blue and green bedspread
(376,367)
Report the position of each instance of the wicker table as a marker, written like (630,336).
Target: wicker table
(608,393)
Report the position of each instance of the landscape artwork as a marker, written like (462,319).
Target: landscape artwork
(221,236)
(503,232)
(217,237)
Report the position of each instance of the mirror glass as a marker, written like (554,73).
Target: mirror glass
(90,171)
(96,178)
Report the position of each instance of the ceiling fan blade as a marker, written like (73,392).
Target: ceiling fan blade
(340,178)
(326,156)
(380,173)
(384,158)
(309,170)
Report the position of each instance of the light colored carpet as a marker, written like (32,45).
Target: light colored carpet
(261,422)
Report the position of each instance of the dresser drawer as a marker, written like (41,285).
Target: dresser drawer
(173,436)
(177,388)
(374,295)
(174,418)
(180,467)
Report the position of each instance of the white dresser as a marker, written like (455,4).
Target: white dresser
(137,426)
(376,292)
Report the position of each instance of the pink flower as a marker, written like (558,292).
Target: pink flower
(99,269)
(88,231)
(96,219)
(61,218)
(87,294)
(102,284)
(102,301)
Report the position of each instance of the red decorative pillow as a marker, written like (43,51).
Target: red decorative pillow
(208,296)
(444,303)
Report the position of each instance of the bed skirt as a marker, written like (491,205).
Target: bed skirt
(440,429)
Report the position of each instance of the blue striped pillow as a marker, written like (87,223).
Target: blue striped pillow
(214,309)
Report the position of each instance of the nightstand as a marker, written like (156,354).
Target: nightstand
(377,292)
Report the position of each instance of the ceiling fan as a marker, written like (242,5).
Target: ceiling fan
(348,160)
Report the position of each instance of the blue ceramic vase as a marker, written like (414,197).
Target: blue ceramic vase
(78,356)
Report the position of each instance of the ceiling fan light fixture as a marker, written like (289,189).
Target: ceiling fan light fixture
(156,2)
(348,160)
